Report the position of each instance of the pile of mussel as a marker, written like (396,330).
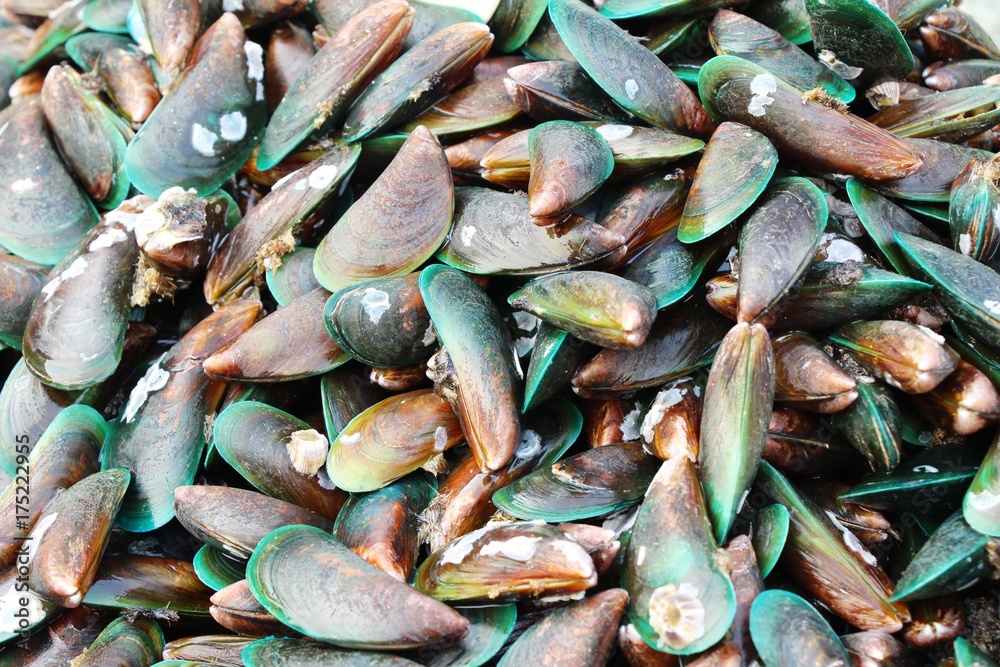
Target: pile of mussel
(657,332)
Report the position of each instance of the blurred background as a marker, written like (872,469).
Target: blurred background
(987,12)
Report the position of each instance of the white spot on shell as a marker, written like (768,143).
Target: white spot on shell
(665,399)
(72,271)
(107,239)
(203,140)
(964,243)
(984,500)
(993,306)
(457,552)
(525,321)
(25,185)
(631,88)
(761,88)
(232,5)
(641,556)
(614,132)
(531,444)
(851,541)
(233,126)
(376,303)
(520,548)
(321,178)
(467,234)
(350,440)
(284,179)
(255,60)
(154,380)
(925,468)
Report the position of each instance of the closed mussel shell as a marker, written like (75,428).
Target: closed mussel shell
(398,223)
(513,22)
(210,119)
(507,561)
(949,116)
(556,184)
(945,469)
(21,282)
(737,165)
(91,284)
(382,322)
(254,438)
(274,651)
(789,631)
(149,582)
(71,535)
(973,214)
(172,29)
(487,395)
(346,392)
(489,630)
(235,520)
(46,213)
(124,642)
(681,600)
(493,234)
(941,164)
(963,403)
(953,558)
(362,607)
(294,277)
(806,378)
(769,534)
(236,609)
(593,306)
(217,570)
(554,89)
(391,439)
(671,427)
(776,246)
(131,85)
(478,106)
(593,483)
(872,424)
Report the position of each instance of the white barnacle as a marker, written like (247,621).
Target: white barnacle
(457,551)
(233,126)
(154,380)
(630,425)
(440,439)
(614,132)
(376,303)
(761,87)
(631,88)
(307,449)
(665,399)
(321,178)
(203,140)
(677,615)
(993,306)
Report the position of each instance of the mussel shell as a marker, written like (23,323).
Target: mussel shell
(294,277)
(479,106)
(148,582)
(158,444)
(382,322)
(252,437)
(493,234)
(346,393)
(210,119)
(597,307)
(776,246)
(124,642)
(969,290)
(381,612)
(20,283)
(381,526)
(872,425)
(171,29)
(680,341)
(949,116)
(236,609)
(45,214)
(581,633)
(201,650)
(735,89)
(71,534)
(391,439)
(513,22)
(321,94)
(91,285)
(507,561)
(67,453)
(629,72)
(131,85)
(554,359)
(942,470)
(479,345)
(593,483)
(807,379)
(964,403)
(236,520)
(215,569)
(273,651)
(860,35)
(418,79)
(398,223)
(953,558)
(288,344)
(788,630)
(556,184)
(968,654)
(972,214)
(770,531)
(681,599)
(554,89)
(489,630)
(941,164)
(737,165)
